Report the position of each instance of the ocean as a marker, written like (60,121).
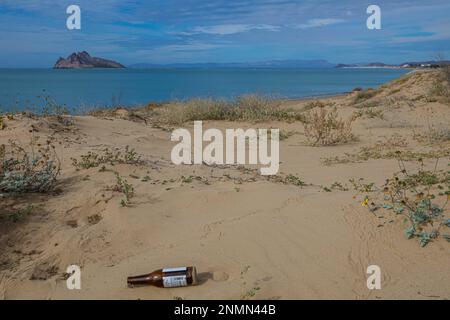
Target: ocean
(82,90)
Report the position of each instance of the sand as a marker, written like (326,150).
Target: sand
(249,237)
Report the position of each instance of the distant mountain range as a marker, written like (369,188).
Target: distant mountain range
(416,64)
(289,64)
(261,64)
(82,60)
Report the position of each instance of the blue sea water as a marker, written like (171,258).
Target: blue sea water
(81,90)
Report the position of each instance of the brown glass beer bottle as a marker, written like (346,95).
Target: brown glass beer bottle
(166,278)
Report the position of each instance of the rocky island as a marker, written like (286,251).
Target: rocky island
(84,60)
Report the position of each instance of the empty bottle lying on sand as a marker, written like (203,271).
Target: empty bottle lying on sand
(166,278)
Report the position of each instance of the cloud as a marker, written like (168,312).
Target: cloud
(315,23)
(192,46)
(205,30)
(194,51)
(227,29)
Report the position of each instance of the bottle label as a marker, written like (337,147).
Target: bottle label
(174,281)
(174,269)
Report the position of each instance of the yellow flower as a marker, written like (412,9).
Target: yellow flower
(365,202)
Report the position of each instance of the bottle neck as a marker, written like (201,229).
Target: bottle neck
(138,280)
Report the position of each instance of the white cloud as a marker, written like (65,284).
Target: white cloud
(315,23)
(226,29)
(193,46)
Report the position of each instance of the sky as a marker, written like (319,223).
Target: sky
(33,33)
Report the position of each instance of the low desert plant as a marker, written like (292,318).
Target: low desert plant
(323,128)
(107,156)
(421,197)
(2,123)
(31,169)
(124,187)
(187,179)
(294,180)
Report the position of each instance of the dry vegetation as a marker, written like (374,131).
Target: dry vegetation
(325,128)
(364,95)
(251,108)
(440,90)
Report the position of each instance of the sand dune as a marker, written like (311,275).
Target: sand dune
(249,236)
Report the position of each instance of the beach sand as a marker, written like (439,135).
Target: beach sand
(250,237)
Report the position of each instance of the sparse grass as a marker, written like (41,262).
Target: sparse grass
(394,147)
(252,108)
(370,113)
(394,91)
(324,128)
(445,73)
(313,104)
(28,169)
(368,104)
(335,186)
(367,153)
(421,197)
(440,90)
(402,79)
(107,156)
(365,95)
(433,135)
